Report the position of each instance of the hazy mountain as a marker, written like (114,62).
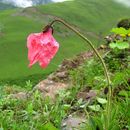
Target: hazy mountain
(25,3)
(36,2)
(124,2)
(4,6)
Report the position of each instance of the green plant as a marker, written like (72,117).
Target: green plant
(123,40)
(118,57)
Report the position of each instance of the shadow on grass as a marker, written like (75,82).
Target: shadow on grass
(22,81)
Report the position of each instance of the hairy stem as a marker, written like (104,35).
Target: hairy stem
(100,58)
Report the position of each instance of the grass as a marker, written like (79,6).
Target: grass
(16,27)
(36,112)
(41,114)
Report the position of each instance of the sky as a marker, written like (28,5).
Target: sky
(125,2)
(58,0)
(20,3)
(26,3)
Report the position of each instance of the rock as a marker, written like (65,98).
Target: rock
(20,96)
(72,123)
(50,88)
(62,74)
(89,96)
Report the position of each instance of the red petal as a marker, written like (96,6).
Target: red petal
(42,47)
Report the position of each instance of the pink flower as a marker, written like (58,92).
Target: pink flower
(42,47)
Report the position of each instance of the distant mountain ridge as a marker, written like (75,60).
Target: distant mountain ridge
(7,4)
(4,6)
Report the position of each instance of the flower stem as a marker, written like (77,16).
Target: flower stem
(100,58)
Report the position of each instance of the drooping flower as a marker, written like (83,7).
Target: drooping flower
(42,47)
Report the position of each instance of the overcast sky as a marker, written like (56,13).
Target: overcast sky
(125,2)
(58,0)
(26,3)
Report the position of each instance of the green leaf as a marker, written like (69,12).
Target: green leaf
(120,31)
(124,93)
(122,45)
(66,107)
(98,122)
(112,45)
(119,45)
(49,126)
(102,100)
(91,124)
(94,107)
(128,31)
(30,108)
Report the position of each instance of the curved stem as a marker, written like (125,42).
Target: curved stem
(89,42)
(98,55)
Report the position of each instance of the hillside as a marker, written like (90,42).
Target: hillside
(92,17)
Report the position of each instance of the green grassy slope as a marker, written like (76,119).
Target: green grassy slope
(92,17)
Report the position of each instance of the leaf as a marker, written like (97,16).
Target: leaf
(120,31)
(66,107)
(102,100)
(91,123)
(98,122)
(49,126)
(122,45)
(94,107)
(119,45)
(124,93)
(30,108)
(112,45)
(128,31)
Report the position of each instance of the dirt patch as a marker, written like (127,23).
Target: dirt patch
(62,73)
(50,88)
(1,34)
(19,96)
(73,123)
(60,79)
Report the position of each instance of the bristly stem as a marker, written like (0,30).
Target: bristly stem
(98,55)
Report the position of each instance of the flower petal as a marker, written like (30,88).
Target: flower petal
(42,47)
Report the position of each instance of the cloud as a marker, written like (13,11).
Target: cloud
(58,0)
(25,3)
(20,3)
(125,2)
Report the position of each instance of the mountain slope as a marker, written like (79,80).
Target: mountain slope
(92,17)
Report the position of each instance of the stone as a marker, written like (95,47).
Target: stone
(50,88)
(72,123)
(20,96)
